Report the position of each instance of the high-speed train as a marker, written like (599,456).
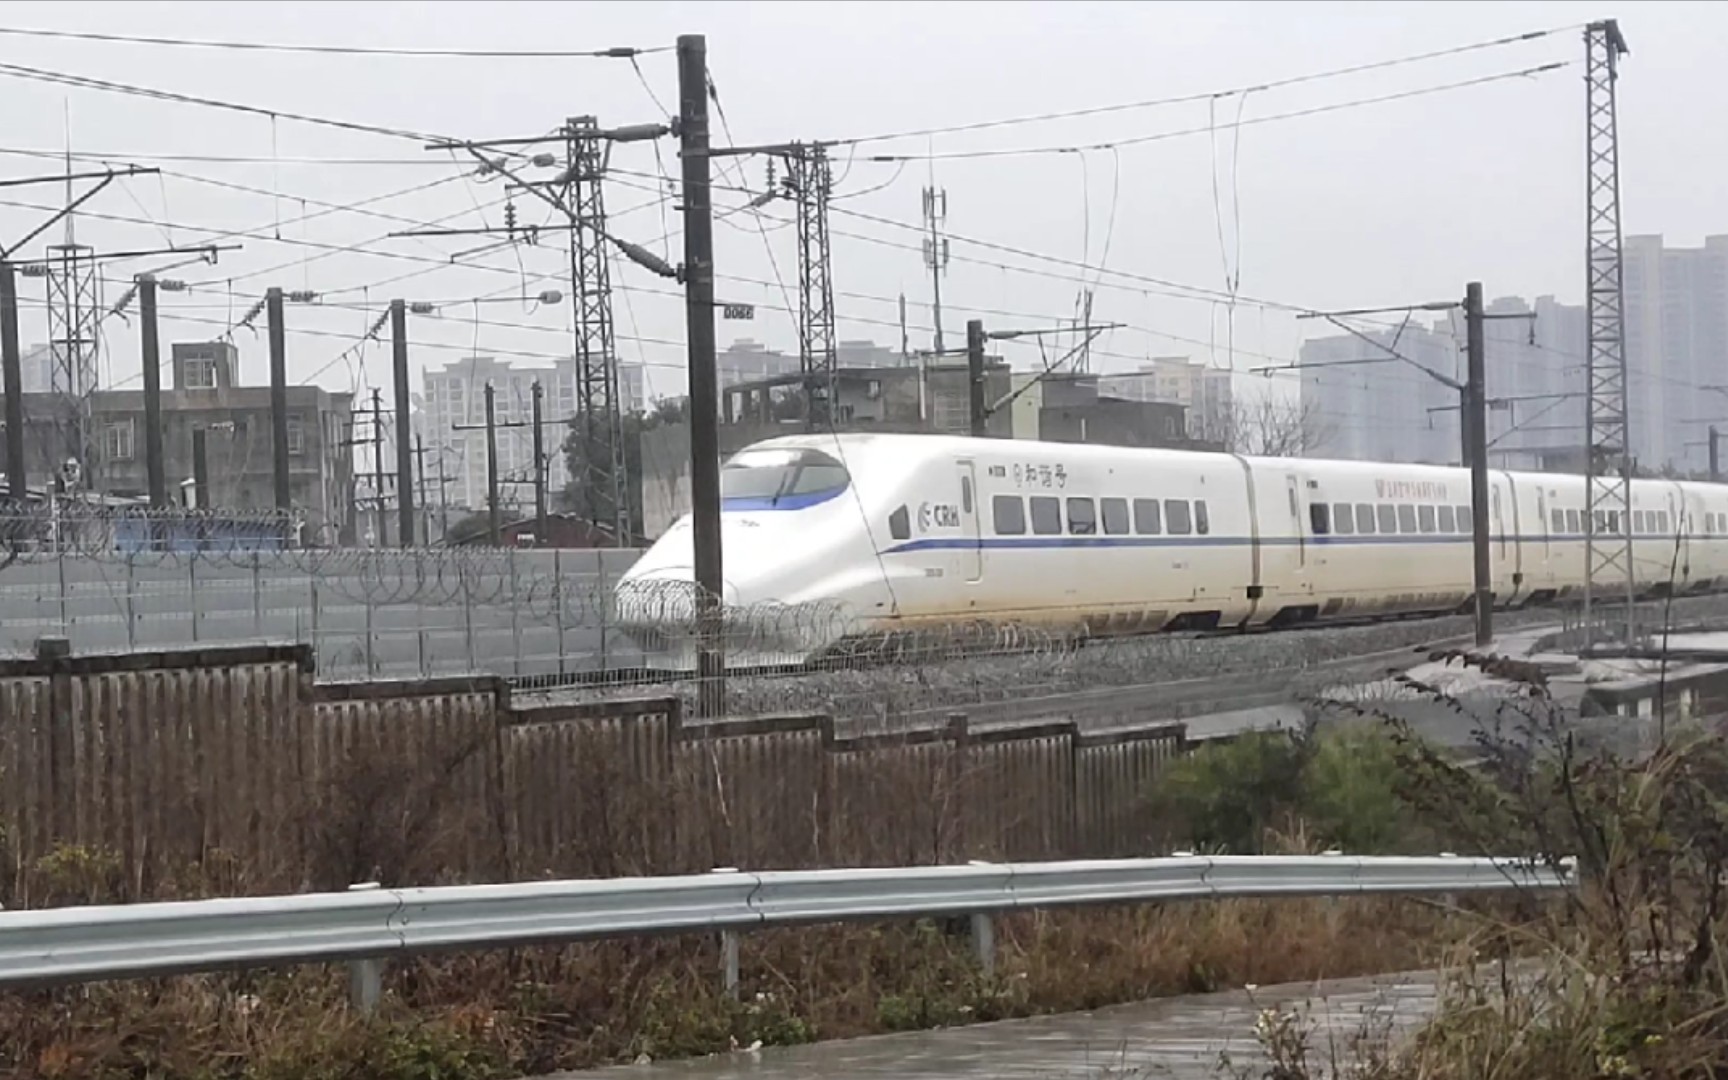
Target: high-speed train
(840,538)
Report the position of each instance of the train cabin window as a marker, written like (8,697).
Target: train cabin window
(1406,518)
(1388,517)
(1320,518)
(1365,518)
(899,525)
(1115,515)
(1082,517)
(966,494)
(1342,520)
(1448,519)
(1147,520)
(1574,524)
(1425,518)
(1046,515)
(1177,517)
(1202,519)
(1558,521)
(1010,515)
(1662,521)
(1466,520)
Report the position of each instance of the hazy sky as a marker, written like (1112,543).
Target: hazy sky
(1369,204)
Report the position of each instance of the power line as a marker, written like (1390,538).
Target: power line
(86,82)
(222,159)
(1183,99)
(615,53)
(1158,136)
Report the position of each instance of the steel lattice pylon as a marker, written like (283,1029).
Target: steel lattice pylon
(605,485)
(811,177)
(74,318)
(1608,458)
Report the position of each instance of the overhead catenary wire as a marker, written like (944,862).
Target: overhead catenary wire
(1294,114)
(435,52)
(1190,98)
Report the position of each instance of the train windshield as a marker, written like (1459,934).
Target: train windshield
(776,479)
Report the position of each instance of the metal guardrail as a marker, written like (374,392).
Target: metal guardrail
(84,944)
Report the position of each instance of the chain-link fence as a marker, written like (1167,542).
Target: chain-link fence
(368,613)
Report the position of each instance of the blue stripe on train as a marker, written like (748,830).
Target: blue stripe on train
(946,543)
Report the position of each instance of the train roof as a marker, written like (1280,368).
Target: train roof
(924,444)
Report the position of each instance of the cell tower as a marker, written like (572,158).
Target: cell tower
(936,252)
(811,178)
(1608,457)
(605,488)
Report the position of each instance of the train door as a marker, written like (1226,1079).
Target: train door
(972,556)
(1299,530)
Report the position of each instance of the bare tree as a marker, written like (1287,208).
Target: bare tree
(1268,425)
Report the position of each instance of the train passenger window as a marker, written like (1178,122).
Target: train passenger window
(1466,520)
(1448,519)
(966,494)
(1365,519)
(1177,517)
(1202,519)
(1425,518)
(1662,521)
(1388,515)
(1046,515)
(1638,523)
(1342,521)
(1082,517)
(1010,515)
(1319,518)
(1115,515)
(1406,518)
(1147,521)
(899,525)
(1574,524)
(1558,524)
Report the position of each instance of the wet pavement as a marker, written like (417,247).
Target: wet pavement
(1182,1038)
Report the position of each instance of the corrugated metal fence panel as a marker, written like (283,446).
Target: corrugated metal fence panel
(760,786)
(1113,779)
(401,788)
(894,804)
(159,766)
(23,783)
(589,794)
(1020,795)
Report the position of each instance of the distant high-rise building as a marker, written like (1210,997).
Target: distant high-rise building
(1676,348)
(456,395)
(1206,393)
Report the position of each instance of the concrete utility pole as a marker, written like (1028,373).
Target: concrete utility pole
(404,424)
(539,466)
(704,389)
(278,398)
(201,469)
(11,365)
(1715,470)
(1475,421)
(155,478)
(378,467)
(493,530)
(975,378)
